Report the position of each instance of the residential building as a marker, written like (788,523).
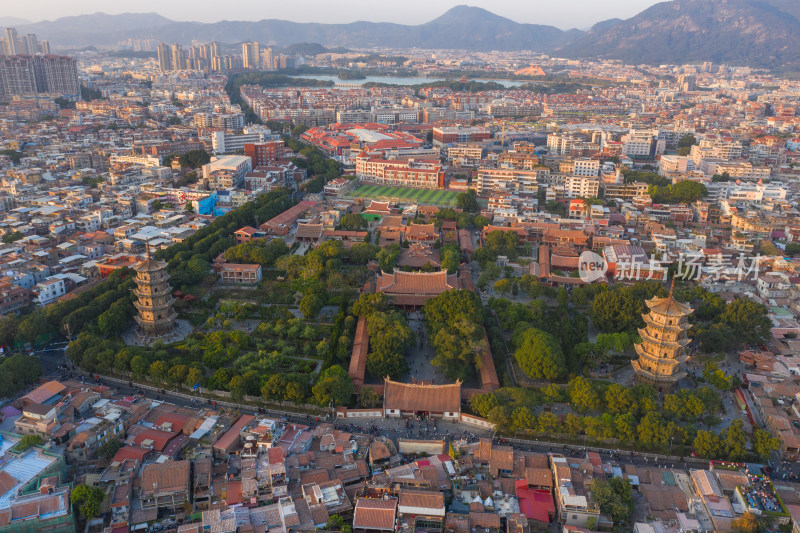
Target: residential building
(227,172)
(448,135)
(32,75)
(240,274)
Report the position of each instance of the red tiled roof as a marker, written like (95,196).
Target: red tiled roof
(275,455)
(432,398)
(374,514)
(159,438)
(44,392)
(484,520)
(169,476)
(249,230)
(421,499)
(417,283)
(227,442)
(177,421)
(234,492)
(127,453)
(7,482)
(358,359)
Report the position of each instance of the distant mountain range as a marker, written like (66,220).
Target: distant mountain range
(761,33)
(461,27)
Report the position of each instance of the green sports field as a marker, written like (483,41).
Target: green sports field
(400,194)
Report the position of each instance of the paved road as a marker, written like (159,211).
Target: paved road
(396,428)
(420,355)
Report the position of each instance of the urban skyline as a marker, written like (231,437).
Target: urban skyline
(454,278)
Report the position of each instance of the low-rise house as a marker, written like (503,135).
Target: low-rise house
(240,273)
(374,516)
(165,485)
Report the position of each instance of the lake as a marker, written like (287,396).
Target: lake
(398,81)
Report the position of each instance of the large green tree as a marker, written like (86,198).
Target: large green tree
(87,500)
(454,321)
(353,222)
(620,309)
(387,257)
(583,395)
(540,356)
(615,498)
(748,319)
(194,159)
(334,385)
(687,191)
(468,201)
(459,347)
(708,444)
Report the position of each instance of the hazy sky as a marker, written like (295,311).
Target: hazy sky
(561,13)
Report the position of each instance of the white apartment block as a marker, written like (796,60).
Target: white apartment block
(509,180)
(49,290)
(741,171)
(581,187)
(223,142)
(228,171)
(228,121)
(394,115)
(586,167)
(745,192)
(716,150)
(675,164)
(638,145)
(465,153)
(144,160)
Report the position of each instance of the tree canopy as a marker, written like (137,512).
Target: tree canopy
(615,498)
(194,159)
(334,385)
(454,321)
(621,308)
(540,356)
(87,500)
(468,201)
(353,222)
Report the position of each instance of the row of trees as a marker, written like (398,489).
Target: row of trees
(390,337)
(683,192)
(257,251)
(464,219)
(610,412)
(18,372)
(544,338)
(454,321)
(105,309)
(190,261)
(497,243)
(717,325)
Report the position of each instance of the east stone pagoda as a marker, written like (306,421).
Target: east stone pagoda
(154,298)
(662,351)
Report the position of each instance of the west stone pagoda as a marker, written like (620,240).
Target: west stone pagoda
(662,351)
(156,317)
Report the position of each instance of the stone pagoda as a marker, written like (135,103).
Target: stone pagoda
(156,317)
(664,340)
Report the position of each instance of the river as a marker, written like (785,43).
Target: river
(398,81)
